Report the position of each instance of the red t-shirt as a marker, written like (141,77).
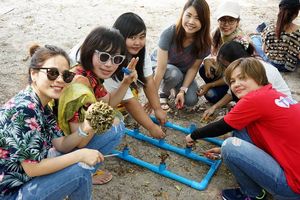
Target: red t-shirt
(272,122)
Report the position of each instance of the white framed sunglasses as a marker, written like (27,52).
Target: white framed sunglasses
(104,57)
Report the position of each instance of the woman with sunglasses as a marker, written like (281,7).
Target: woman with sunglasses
(102,55)
(181,49)
(267,158)
(228,16)
(29,133)
(133,29)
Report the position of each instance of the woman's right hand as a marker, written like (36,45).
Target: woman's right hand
(132,77)
(156,132)
(90,156)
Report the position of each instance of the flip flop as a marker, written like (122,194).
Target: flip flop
(164,104)
(101,177)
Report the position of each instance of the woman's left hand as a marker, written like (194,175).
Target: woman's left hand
(203,89)
(132,77)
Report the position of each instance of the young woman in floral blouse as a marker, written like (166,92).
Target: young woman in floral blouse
(29,131)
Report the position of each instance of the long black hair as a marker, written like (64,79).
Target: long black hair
(202,42)
(130,24)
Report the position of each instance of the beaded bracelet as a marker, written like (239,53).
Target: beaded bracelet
(81,133)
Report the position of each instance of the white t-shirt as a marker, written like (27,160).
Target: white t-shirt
(110,84)
(275,78)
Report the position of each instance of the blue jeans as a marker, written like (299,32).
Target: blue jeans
(255,169)
(173,78)
(74,181)
(213,95)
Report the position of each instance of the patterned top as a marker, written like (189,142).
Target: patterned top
(282,51)
(26,132)
(95,83)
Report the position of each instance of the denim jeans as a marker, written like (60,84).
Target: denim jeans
(173,78)
(74,181)
(213,95)
(255,169)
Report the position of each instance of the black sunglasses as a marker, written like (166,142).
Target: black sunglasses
(53,74)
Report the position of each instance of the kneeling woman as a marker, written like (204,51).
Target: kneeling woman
(269,158)
(29,130)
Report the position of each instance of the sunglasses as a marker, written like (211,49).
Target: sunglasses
(53,74)
(104,57)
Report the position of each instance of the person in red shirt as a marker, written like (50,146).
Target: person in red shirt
(269,160)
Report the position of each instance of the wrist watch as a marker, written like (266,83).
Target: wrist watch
(184,89)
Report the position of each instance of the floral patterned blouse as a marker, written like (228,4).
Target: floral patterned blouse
(26,132)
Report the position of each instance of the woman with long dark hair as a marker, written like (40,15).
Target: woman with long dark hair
(181,49)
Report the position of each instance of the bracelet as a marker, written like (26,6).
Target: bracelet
(184,89)
(81,133)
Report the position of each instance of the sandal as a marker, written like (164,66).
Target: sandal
(101,177)
(164,104)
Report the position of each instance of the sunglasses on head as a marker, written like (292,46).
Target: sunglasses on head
(104,57)
(53,74)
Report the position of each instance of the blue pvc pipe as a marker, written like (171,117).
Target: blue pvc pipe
(161,169)
(164,145)
(187,130)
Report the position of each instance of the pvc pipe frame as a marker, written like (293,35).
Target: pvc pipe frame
(187,152)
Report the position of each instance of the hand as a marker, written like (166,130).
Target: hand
(203,89)
(147,107)
(213,154)
(179,101)
(161,116)
(208,63)
(156,132)
(90,156)
(132,77)
(86,127)
(208,113)
(189,141)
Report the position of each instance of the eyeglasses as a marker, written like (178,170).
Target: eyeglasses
(229,20)
(53,74)
(104,57)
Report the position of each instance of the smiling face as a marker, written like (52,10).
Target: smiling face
(135,43)
(190,21)
(241,84)
(104,70)
(228,25)
(45,88)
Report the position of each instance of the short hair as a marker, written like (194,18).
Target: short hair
(102,39)
(250,67)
